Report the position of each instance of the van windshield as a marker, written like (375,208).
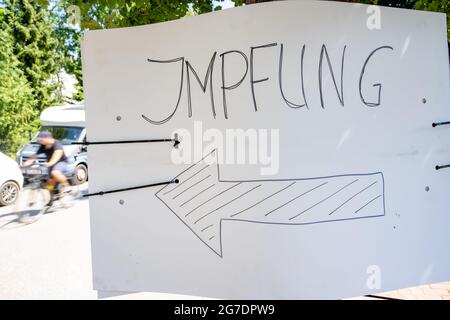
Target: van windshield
(66,135)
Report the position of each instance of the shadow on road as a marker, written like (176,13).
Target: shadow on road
(18,219)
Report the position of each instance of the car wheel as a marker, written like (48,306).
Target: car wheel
(80,175)
(9,193)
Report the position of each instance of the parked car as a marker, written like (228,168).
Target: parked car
(67,124)
(11,180)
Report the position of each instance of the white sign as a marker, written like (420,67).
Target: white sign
(307,159)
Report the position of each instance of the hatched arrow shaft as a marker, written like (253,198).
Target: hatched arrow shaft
(202,200)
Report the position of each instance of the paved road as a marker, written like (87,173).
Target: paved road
(50,259)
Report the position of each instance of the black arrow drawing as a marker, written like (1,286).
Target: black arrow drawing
(202,200)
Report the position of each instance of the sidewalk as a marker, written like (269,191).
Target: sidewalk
(438,291)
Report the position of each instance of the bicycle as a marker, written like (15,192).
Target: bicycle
(36,199)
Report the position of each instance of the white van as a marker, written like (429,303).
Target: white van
(67,124)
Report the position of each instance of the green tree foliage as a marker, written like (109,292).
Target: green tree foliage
(17,113)
(121,13)
(69,36)
(427,5)
(107,14)
(38,40)
(101,14)
(407,4)
(36,48)
(435,5)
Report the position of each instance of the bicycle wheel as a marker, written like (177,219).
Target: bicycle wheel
(31,204)
(65,199)
(75,192)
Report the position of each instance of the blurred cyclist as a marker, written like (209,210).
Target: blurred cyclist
(56,160)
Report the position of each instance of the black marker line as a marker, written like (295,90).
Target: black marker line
(211,238)
(271,223)
(367,203)
(156,122)
(233,215)
(384,195)
(306,179)
(340,96)
(188,178)
(243,194)
(301,223)
(209,74)
(351,198)
(371,104)
(225,108)
(212,198)
(181,173)
(347,185)
(189,227)
(191,186)
(206,227)
(252,81)
(320,185)
(197,194)
(280,80)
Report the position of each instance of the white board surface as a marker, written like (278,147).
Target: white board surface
(354,204)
